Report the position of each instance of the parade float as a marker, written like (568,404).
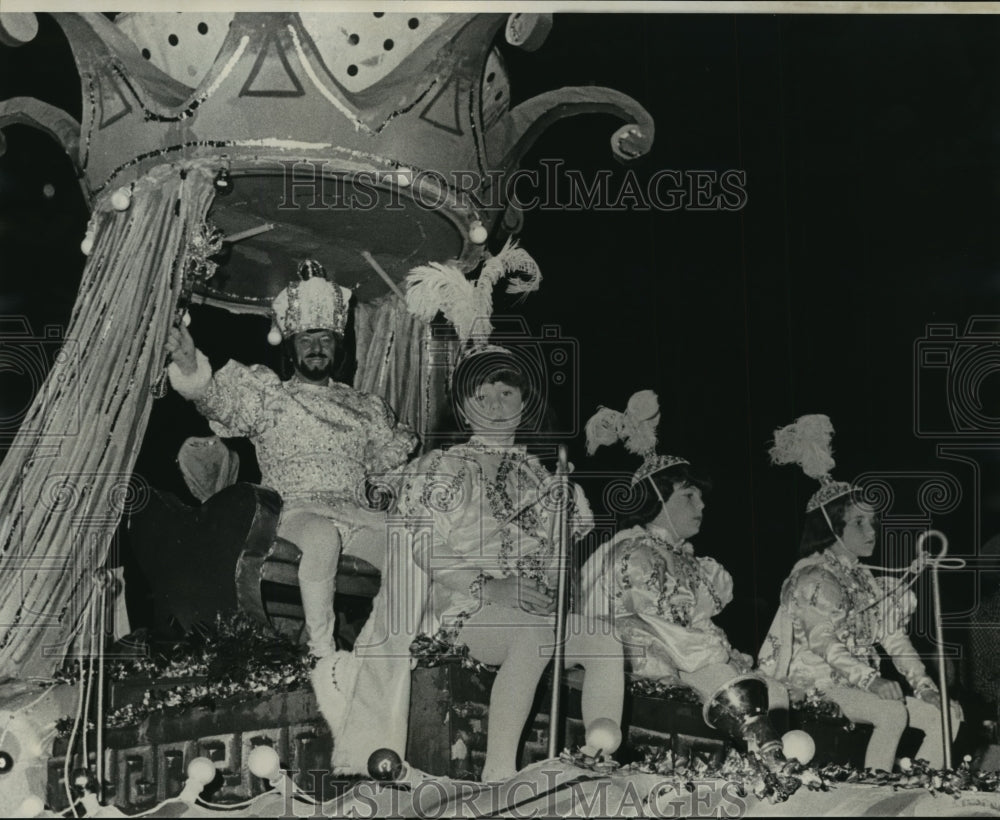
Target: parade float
(215,151)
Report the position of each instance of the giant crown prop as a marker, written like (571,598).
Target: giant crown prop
(335,134)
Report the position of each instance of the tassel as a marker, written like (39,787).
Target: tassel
(806,442)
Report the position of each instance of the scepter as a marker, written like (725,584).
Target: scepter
(939,636)
(561,544)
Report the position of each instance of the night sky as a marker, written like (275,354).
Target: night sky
(871,152)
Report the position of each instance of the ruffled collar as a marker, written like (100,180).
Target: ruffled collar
(848,559)
(663,534)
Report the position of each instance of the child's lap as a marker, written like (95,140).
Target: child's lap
(493,630)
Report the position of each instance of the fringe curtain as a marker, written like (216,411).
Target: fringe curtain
(391,359)
(66,480)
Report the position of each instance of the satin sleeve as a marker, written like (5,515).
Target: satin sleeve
(650,590)
(438,502)
(819,605)
(718,577)
(897,609)
(641,577)
(389,441)
(240,400)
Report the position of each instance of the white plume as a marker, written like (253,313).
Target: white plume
(636,427)
(806,442)
(511,260)
(466,304)
(437,287)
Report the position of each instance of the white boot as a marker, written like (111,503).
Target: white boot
(317,606)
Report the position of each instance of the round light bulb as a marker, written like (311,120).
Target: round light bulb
(274,337)
(121,199)
(478,233)
(201,770)
(263,762)
(798,744)
(31,807)
(604,736)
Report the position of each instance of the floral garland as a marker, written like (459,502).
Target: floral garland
(746,771)
(664,690)
(750,776)
(814,705)
(432,650)
(233,659)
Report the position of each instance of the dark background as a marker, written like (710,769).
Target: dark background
(870,148)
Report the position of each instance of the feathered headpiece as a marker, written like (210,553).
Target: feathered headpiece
(468,305)
(807,442)
(636,429)
(313,302)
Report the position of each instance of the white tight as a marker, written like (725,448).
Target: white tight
(521,644)
(890,718)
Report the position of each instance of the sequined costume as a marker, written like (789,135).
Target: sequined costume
(487,515)
(471,512)
(316,445)
(662,598)
(833,615)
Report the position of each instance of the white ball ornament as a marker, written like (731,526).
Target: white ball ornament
(798,744)
(87,245)
(604,736)
(263,762)
(121,199)
(478,233)
(31,807)
(201,770)
(274,337)
(186,319)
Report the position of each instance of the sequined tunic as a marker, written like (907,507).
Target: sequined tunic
(316,444)
(662,598)
(479,509)
(833,614)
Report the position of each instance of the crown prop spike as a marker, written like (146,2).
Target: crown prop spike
(636,429)
(807,442)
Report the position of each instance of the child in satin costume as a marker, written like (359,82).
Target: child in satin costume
(659,595)
(482,514)
(834,612)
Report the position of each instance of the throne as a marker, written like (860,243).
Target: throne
(225,554)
